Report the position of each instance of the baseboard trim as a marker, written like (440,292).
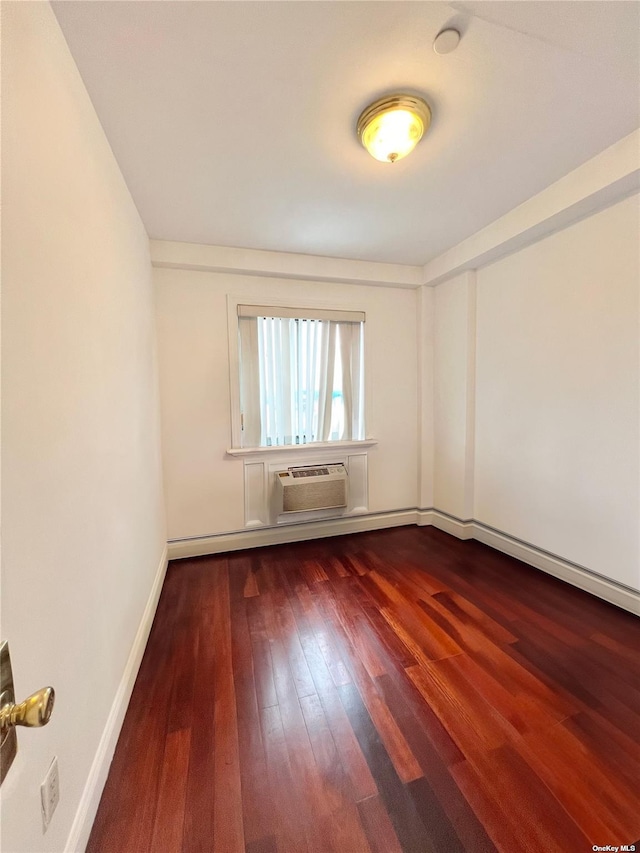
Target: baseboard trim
(552,564)
(90,799)
(450,524)
(610,591)
(256,538)
(424,517)
(578,576)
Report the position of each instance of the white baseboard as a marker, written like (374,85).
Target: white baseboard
(577,576)
(424,517)
(582,578)
(597,585)
(454,526)
(90,799)
(258,537)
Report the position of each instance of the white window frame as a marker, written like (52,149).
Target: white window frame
(236,448)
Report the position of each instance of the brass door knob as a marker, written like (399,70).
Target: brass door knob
(34,711)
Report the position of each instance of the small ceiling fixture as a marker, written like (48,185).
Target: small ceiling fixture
(391,127)
(446,41)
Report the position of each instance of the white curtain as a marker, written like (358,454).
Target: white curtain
(326,385)
(301,380)
(249,383)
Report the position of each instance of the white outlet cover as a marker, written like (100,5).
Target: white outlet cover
(50,793)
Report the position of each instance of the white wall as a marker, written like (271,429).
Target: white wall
(524,402)
(557,394)
(425,321)
(537,431)
(204,487)
(454,392)
(82,517)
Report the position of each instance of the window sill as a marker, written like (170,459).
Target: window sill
(313,447)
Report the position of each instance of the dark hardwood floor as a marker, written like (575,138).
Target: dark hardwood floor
(390,691)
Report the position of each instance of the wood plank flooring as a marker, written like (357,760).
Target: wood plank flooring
(390,691)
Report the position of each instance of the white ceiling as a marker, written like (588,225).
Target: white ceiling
(234,122)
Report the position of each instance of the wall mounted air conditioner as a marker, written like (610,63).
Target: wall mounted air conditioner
(312,487)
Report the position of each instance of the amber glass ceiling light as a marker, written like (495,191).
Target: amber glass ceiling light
(391,127)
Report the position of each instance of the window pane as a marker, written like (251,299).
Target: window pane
(301,381)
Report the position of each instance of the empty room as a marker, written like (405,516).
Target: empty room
(320,437)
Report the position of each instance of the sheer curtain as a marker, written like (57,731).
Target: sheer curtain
(301,380)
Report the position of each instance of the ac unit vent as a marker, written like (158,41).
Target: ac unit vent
(312,487)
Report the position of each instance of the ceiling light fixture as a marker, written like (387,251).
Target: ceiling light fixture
(391,127)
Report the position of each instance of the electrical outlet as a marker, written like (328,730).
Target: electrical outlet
(50,793)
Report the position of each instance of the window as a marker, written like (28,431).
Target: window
(301,375)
